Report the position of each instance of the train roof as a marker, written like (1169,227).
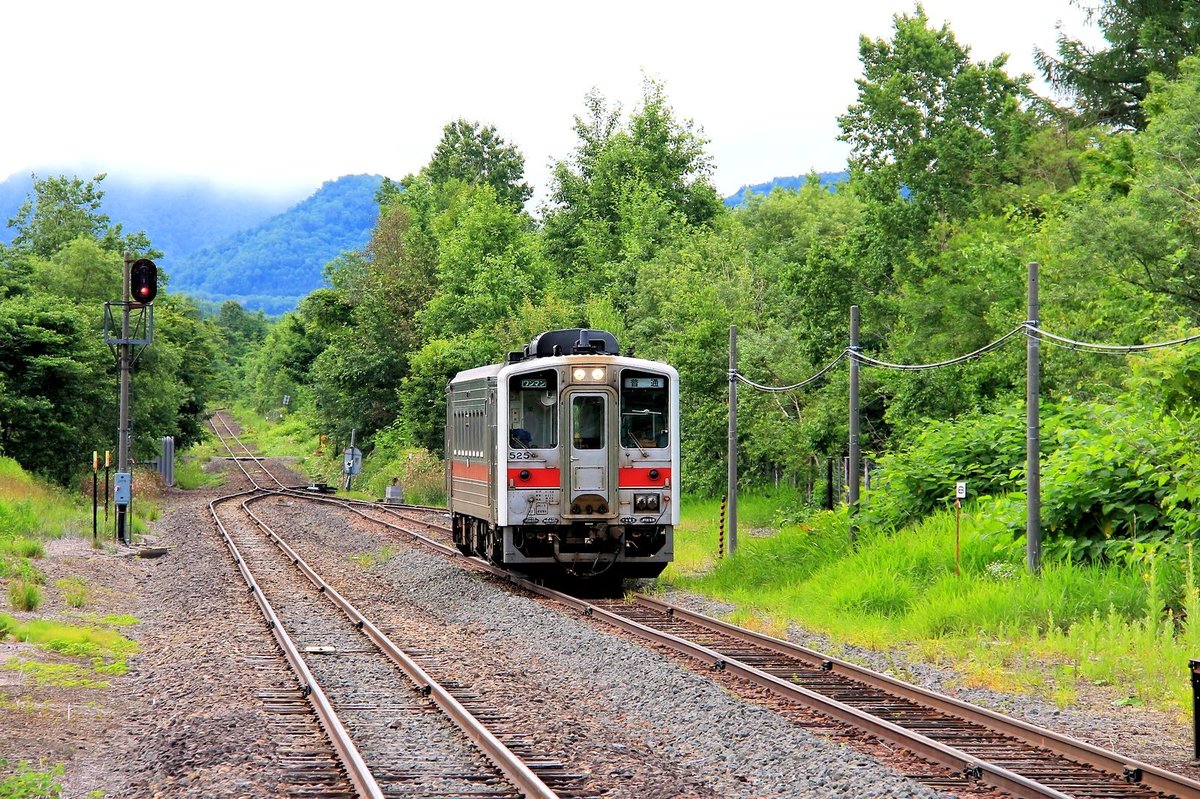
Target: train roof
(499,370)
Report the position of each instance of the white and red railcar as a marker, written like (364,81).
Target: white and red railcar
(566,458)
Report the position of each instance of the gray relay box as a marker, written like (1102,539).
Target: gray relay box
(122,488)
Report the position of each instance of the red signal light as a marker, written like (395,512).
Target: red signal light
(143,279)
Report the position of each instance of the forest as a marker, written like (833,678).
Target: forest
(960,175)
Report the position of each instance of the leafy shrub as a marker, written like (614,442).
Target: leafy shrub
(985,449)
(30,783)
(421,473)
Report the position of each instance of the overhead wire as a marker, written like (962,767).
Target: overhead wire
(1025,329)
(918,367)
(736,375)
(1109,349)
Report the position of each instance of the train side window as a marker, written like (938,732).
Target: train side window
(533,411)
(644,410)
(587,415)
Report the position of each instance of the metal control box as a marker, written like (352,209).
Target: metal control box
(122,488)
(352,461)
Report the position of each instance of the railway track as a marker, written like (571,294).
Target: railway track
(980,745)
(378,704)
(1018,758)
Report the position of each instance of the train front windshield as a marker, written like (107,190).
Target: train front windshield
(533,411)
(644,416)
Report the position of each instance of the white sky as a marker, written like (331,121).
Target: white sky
(283,95)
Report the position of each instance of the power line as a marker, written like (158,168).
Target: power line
(918,367)
(1108,349)
(1028,329)
(806,381)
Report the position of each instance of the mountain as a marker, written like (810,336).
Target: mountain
(790,184)
(179,216)
(276,263)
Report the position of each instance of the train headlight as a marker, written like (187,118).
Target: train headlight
(584,374)
(645,503)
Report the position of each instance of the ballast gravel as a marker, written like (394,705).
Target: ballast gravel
(1100,716)
(635,700)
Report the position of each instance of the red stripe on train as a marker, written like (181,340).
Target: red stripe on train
(535,478)
(640,478)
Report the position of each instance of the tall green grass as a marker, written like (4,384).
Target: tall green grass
(1000,625)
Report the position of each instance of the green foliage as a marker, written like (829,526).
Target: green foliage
(932,132)
(24,595)
(626,193)
(419,472)
(51,384)
(28,782)
(63,209)
(472,153)
(1109,85)
(985,449)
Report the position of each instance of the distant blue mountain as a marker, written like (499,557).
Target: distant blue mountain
(789,184)
(275,264)
(180,217)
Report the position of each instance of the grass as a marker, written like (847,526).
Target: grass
(75,591)
(190,474)
(24,596)
(371,559)
(27,782)
(107,649)
(999,626)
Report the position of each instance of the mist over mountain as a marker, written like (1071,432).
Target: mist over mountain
(274,264)
(180,216)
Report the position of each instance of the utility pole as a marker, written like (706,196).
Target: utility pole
(855,466)
(1033,434)
(139,286)
(123,477)
(733,471)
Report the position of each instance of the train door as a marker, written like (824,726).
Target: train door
(590,476)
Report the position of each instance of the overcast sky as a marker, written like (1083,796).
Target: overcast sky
(284,95)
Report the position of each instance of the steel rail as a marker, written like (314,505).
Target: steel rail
(515,769)
(356,767)
(1114,763)
(1080,751)
(512,766)
(1132,770)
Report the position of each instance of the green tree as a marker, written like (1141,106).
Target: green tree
(626,193)
(81,270)
(1144,37)
(472,153)
(932,135)
(487,265)
(53,386)
(62,209)
(1134,218)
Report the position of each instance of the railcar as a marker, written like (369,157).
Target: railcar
(565,459)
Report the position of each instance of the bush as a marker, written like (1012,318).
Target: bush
(24,595)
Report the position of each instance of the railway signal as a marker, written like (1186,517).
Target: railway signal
(143,280)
